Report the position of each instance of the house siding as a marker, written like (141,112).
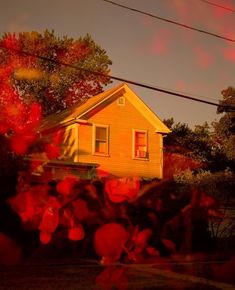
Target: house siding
(121,119)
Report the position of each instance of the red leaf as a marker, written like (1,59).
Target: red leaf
(52,151)
(45,237)
(50,219)
(151,251)
(57,137)
(65,186)
(19,145)
(142,238)
(21,141)
(169,245)
(76,233)
(81,210)
(109,241)
(122,189)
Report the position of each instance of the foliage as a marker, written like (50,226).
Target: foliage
(194,143)
(220,185)
(224,129)
(52,84)
(158,221)
(212,182)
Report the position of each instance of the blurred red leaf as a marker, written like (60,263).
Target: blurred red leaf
(122,189)
(65,186)
(45,237)
(50,218)
(76,233)
(170,246)
(19,145)
(142,238)
(81,210)
(57,137)
(109,241)
(52,151)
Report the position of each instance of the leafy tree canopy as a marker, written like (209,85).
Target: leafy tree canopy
(194,143)
(52,84)
(214,145)
(224,129)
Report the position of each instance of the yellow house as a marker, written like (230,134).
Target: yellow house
(114,132)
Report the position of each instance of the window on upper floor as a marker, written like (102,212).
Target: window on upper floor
(100,140)
(140,144)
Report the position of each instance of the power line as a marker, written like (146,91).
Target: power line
(150,87)
(170,21)
(219,6)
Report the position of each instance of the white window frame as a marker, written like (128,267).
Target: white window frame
(134,155)
(106,153)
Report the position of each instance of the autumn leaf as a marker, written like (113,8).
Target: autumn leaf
(76,233)
(109,241)
(119,190)
(65,186)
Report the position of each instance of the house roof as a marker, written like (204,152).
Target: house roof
(78,112)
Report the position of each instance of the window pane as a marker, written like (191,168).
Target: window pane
(100,133)
(100,147)
(141,144)
(140,138)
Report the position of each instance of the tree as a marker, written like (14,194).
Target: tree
(25,66)
(195,143)
(224,129)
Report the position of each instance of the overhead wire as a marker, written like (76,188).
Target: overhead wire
(219,6)
(182,25)
(139,84)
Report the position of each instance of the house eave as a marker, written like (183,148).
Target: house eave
(63,124)
(163,131)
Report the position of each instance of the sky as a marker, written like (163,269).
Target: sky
(145,49)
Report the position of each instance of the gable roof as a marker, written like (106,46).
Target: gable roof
(78,112)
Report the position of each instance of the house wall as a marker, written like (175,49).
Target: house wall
(121,120)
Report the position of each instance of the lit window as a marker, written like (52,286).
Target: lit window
(100,140)
(140,144)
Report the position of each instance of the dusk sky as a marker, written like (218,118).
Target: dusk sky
(145,49)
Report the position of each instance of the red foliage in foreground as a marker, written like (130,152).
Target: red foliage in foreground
(119,190)
(75,206)
(109,242)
